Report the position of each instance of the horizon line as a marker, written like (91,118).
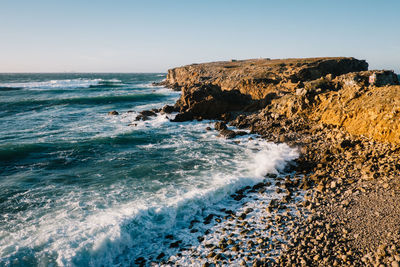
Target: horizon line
(82,72)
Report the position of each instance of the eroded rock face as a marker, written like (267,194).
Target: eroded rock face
(335,91)
(260,77)
(351,102)
(208,101)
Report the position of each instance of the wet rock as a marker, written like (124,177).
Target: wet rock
(207,220)
(169,237)
(242,216)
(241,133)
(175,244)
(219,126)
(114,112)
(148,113)
(141,117)
(160,256)
(228,134)
(184,116)
(167,109)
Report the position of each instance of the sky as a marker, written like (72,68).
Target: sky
(153,36)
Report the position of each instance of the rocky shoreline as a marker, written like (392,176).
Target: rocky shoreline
(345,120)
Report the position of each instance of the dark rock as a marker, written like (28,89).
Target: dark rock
(228,134)
(208,101)
(169,237)
(160,256)
(140,261)
(242,216)
(345,144)
(175,244)
(258,186)
(219,126)
(167,109)
(207,220)
(240,133)
(114,112)
(141,118)
(184,116)
(148,113)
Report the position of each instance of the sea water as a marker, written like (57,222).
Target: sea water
(80,187)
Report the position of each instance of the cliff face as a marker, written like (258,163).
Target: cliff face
(373,111)
(351,102)
(260,77)
(335,91)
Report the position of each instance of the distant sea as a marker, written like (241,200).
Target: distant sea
(80,187)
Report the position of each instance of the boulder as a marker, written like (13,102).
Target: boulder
(183,116)
(148,113)
(219,126)
(113,113)
(167,109)
(228,134)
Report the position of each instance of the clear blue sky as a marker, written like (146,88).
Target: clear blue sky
(152,36)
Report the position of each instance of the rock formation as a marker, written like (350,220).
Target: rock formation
(328,90)
(345,120)
(259,77)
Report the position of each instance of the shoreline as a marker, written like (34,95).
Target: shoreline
(351,181)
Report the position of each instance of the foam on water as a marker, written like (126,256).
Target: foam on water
(89,189)
(76,234)
(67,83)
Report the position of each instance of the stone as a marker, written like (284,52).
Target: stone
(183,116)
(175,244)
(114,112)
(219,126)
(228,134)
(167,109)
(148,113)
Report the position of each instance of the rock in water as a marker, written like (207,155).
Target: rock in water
(219,126)
(184,116)
(167,109)
(148,113)
(228,134)
(114,112)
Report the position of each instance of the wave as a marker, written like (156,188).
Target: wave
(66,83)
(107,84)
(12,152)
(7,88)
(84,100)
(119,234)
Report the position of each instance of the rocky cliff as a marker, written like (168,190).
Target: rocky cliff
(335,91)
(259,77)
(345,121)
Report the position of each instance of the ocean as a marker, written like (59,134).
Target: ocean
(80,187)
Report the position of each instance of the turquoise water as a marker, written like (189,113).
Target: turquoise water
(82,188)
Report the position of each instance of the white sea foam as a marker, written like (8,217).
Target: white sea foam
(66,83)
(94,228)
(82,234)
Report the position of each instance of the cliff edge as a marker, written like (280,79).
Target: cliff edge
(345,121)
(338,91)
